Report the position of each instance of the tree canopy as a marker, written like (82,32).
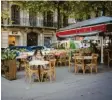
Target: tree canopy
(80,10)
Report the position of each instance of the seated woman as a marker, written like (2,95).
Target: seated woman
(37,55)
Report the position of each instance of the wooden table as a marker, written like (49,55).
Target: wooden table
(38,63)
(86,57)
(22,57)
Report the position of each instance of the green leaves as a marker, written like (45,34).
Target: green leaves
(80,10)
(8,55)
(72,44)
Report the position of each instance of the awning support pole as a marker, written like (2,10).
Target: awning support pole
(102,50)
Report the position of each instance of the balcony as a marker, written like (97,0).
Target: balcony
(26,22)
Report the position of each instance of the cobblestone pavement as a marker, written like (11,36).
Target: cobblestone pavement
(68,86)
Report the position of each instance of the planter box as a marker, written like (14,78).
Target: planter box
(10,73)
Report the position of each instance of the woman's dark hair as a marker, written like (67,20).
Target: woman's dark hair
(37,51)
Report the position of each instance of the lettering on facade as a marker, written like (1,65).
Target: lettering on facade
(101,28)
(15,33)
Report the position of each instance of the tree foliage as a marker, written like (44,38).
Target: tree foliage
(79,10)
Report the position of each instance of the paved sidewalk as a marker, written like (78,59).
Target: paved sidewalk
(68,86)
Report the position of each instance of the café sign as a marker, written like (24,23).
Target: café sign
(15,33)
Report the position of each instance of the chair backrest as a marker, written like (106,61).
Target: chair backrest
(79,60)
(94,55)
(52,63)
(62,56)
(76,54)
(27,67)
(94,58)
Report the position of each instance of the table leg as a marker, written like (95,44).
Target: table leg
(39,69)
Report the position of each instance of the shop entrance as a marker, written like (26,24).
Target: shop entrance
(13,40)
(32,39)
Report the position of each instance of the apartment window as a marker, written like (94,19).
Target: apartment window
(48,19)
(32,17)
(15,14)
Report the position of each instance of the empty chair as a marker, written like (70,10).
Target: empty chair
(79,63)
(62,59)
(30,71)
(93,64)
(50,70)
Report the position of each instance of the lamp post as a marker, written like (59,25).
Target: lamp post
(102,50)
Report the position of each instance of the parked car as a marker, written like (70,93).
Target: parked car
(40,48)
(24,48)
(37,47)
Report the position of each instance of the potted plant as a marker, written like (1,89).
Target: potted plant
(9,59)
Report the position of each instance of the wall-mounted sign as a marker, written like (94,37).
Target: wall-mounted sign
(78,31)
(15,33)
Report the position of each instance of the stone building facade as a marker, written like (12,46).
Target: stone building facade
(24,28)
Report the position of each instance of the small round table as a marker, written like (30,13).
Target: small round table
(38,62)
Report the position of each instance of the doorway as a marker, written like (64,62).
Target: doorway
(12,41)
(32,39)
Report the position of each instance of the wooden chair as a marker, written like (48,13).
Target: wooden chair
(79,63)
(93,63)
(50,71)
(31,71)
(76,54)
(50,56)
(70,63)
(22,62)
(61,60)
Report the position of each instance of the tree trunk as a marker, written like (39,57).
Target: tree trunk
(103,9)
(96,13)
(59,20)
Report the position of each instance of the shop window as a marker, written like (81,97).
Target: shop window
(47,41)
(12,40)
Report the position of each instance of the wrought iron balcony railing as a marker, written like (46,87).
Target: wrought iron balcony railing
(29,22)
